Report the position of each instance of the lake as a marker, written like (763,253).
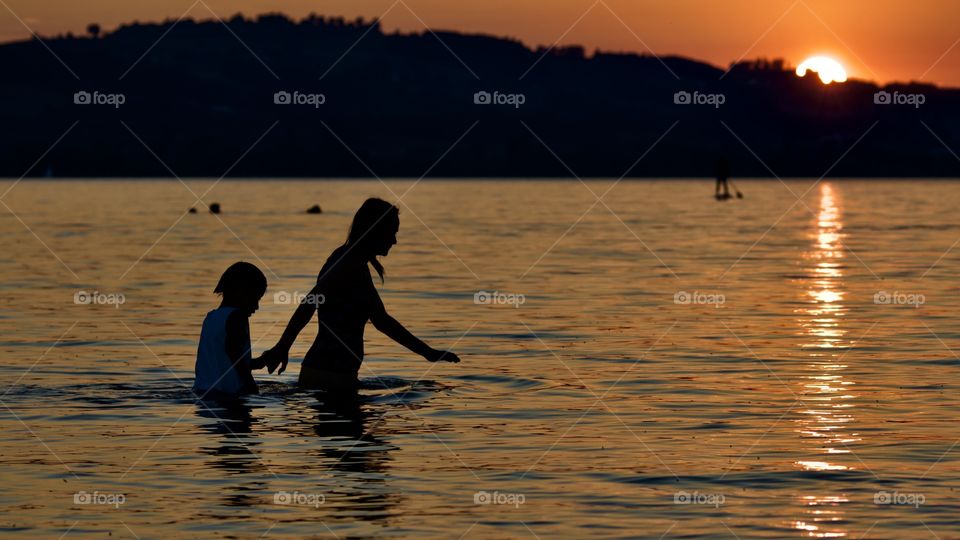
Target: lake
(639,360)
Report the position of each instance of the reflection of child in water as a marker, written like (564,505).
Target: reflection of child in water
(224,362)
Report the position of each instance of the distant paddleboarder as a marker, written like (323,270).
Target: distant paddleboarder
(722,189)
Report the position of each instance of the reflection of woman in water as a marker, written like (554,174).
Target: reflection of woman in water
(345,298)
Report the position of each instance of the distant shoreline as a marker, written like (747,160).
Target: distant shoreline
(328,98)
(482,35)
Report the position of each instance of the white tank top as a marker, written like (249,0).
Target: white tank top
(214,369)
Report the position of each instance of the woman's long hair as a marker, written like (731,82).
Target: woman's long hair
(375,220)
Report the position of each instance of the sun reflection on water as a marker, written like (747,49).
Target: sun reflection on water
(822,510)
(826,394)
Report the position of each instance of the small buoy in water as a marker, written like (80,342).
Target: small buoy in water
(193,210)
(315,209)
(215,208)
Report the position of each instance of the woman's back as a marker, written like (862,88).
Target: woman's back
(349,298)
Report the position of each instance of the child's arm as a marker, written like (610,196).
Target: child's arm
(237,347)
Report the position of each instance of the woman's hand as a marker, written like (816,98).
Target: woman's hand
(274,357)
(434,355)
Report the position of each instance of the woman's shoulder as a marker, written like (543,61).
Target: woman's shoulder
(340,263)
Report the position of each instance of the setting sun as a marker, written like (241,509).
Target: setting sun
(827,68)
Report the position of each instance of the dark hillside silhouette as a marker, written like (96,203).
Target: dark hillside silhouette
(199,98)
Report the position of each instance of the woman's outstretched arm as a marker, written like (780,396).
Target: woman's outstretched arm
(392,328)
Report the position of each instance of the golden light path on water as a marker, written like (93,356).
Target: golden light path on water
(826,395)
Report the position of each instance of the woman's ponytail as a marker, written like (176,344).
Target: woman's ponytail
(377,266)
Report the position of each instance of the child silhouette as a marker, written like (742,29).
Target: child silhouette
(224,364)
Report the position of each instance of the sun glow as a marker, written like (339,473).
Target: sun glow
(827,68)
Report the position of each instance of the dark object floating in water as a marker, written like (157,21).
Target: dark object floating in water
(215,208)
(315,209)
(193,210)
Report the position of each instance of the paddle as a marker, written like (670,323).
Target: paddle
(739,195)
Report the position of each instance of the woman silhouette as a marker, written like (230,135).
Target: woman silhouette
(345,299)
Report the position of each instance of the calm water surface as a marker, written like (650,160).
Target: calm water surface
(778,366)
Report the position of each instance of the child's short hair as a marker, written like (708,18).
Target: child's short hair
(241,276)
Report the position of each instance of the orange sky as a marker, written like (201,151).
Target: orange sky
(880,40)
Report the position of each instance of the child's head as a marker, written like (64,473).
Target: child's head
(242,286)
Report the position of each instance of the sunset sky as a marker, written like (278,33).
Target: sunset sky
(882,40)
